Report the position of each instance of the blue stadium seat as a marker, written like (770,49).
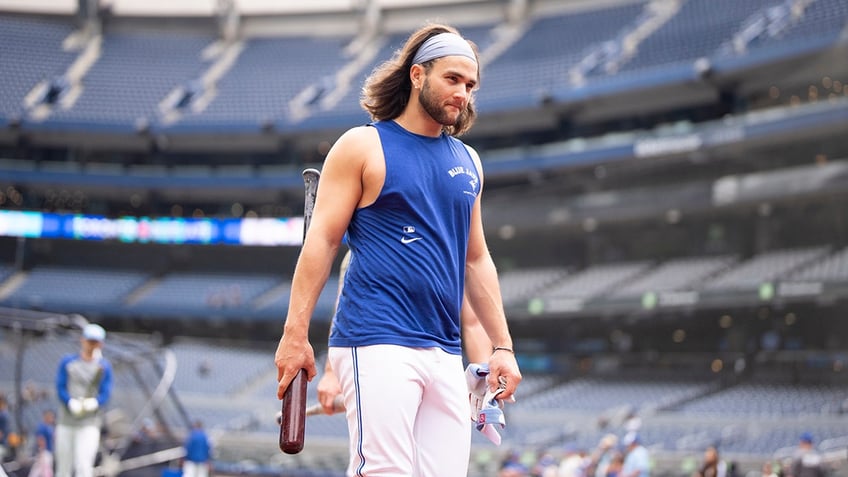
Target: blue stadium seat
(32,52)
(134,73)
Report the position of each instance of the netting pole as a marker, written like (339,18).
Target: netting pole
(19,371)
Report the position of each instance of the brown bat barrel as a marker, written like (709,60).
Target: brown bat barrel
(293,422)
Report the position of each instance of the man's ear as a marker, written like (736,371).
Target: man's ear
(416,76)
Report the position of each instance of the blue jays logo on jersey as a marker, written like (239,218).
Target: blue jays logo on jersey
(470,175)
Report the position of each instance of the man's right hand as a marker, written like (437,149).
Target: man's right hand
(293,355)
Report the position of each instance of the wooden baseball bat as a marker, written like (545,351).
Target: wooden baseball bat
(317,409)
(293,418)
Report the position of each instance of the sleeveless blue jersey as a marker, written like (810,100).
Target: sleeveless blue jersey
(406,276)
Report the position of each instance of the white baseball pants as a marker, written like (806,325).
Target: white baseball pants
(407,411)
(195,469)
(76,450)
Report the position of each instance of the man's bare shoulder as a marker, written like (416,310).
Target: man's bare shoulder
(355,148)
(359,137)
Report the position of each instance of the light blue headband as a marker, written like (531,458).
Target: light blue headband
(443,44)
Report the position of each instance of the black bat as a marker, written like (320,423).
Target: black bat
(293,412)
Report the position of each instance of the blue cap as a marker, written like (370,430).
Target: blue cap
(94,332)
(807,437)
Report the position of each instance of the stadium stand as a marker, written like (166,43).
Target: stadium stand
(765,267)
(675,275)
(33,52)
(206,369)
(267,76)
(113,98)
(599,395)
(595,280)
(192,291)
(697,30)
(833,268)
(520,285)
(539,60)
(771,398)
(70,288)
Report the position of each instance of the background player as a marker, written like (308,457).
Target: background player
(83,385)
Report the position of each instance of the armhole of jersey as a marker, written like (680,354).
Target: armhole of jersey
(478,163)
(385,167)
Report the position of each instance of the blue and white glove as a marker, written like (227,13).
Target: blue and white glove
(486,409)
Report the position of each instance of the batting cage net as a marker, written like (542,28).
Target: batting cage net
(144,421)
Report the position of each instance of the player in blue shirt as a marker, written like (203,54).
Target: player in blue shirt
(407,193)
(198,452)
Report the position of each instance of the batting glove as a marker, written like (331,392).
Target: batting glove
(90,404)
(475,378)
(75,406)
(486,408)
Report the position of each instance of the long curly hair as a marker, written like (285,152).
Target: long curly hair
(386,91)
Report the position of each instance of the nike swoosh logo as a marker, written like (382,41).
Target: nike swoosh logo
(406,240)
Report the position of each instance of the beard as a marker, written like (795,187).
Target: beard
(434,109)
